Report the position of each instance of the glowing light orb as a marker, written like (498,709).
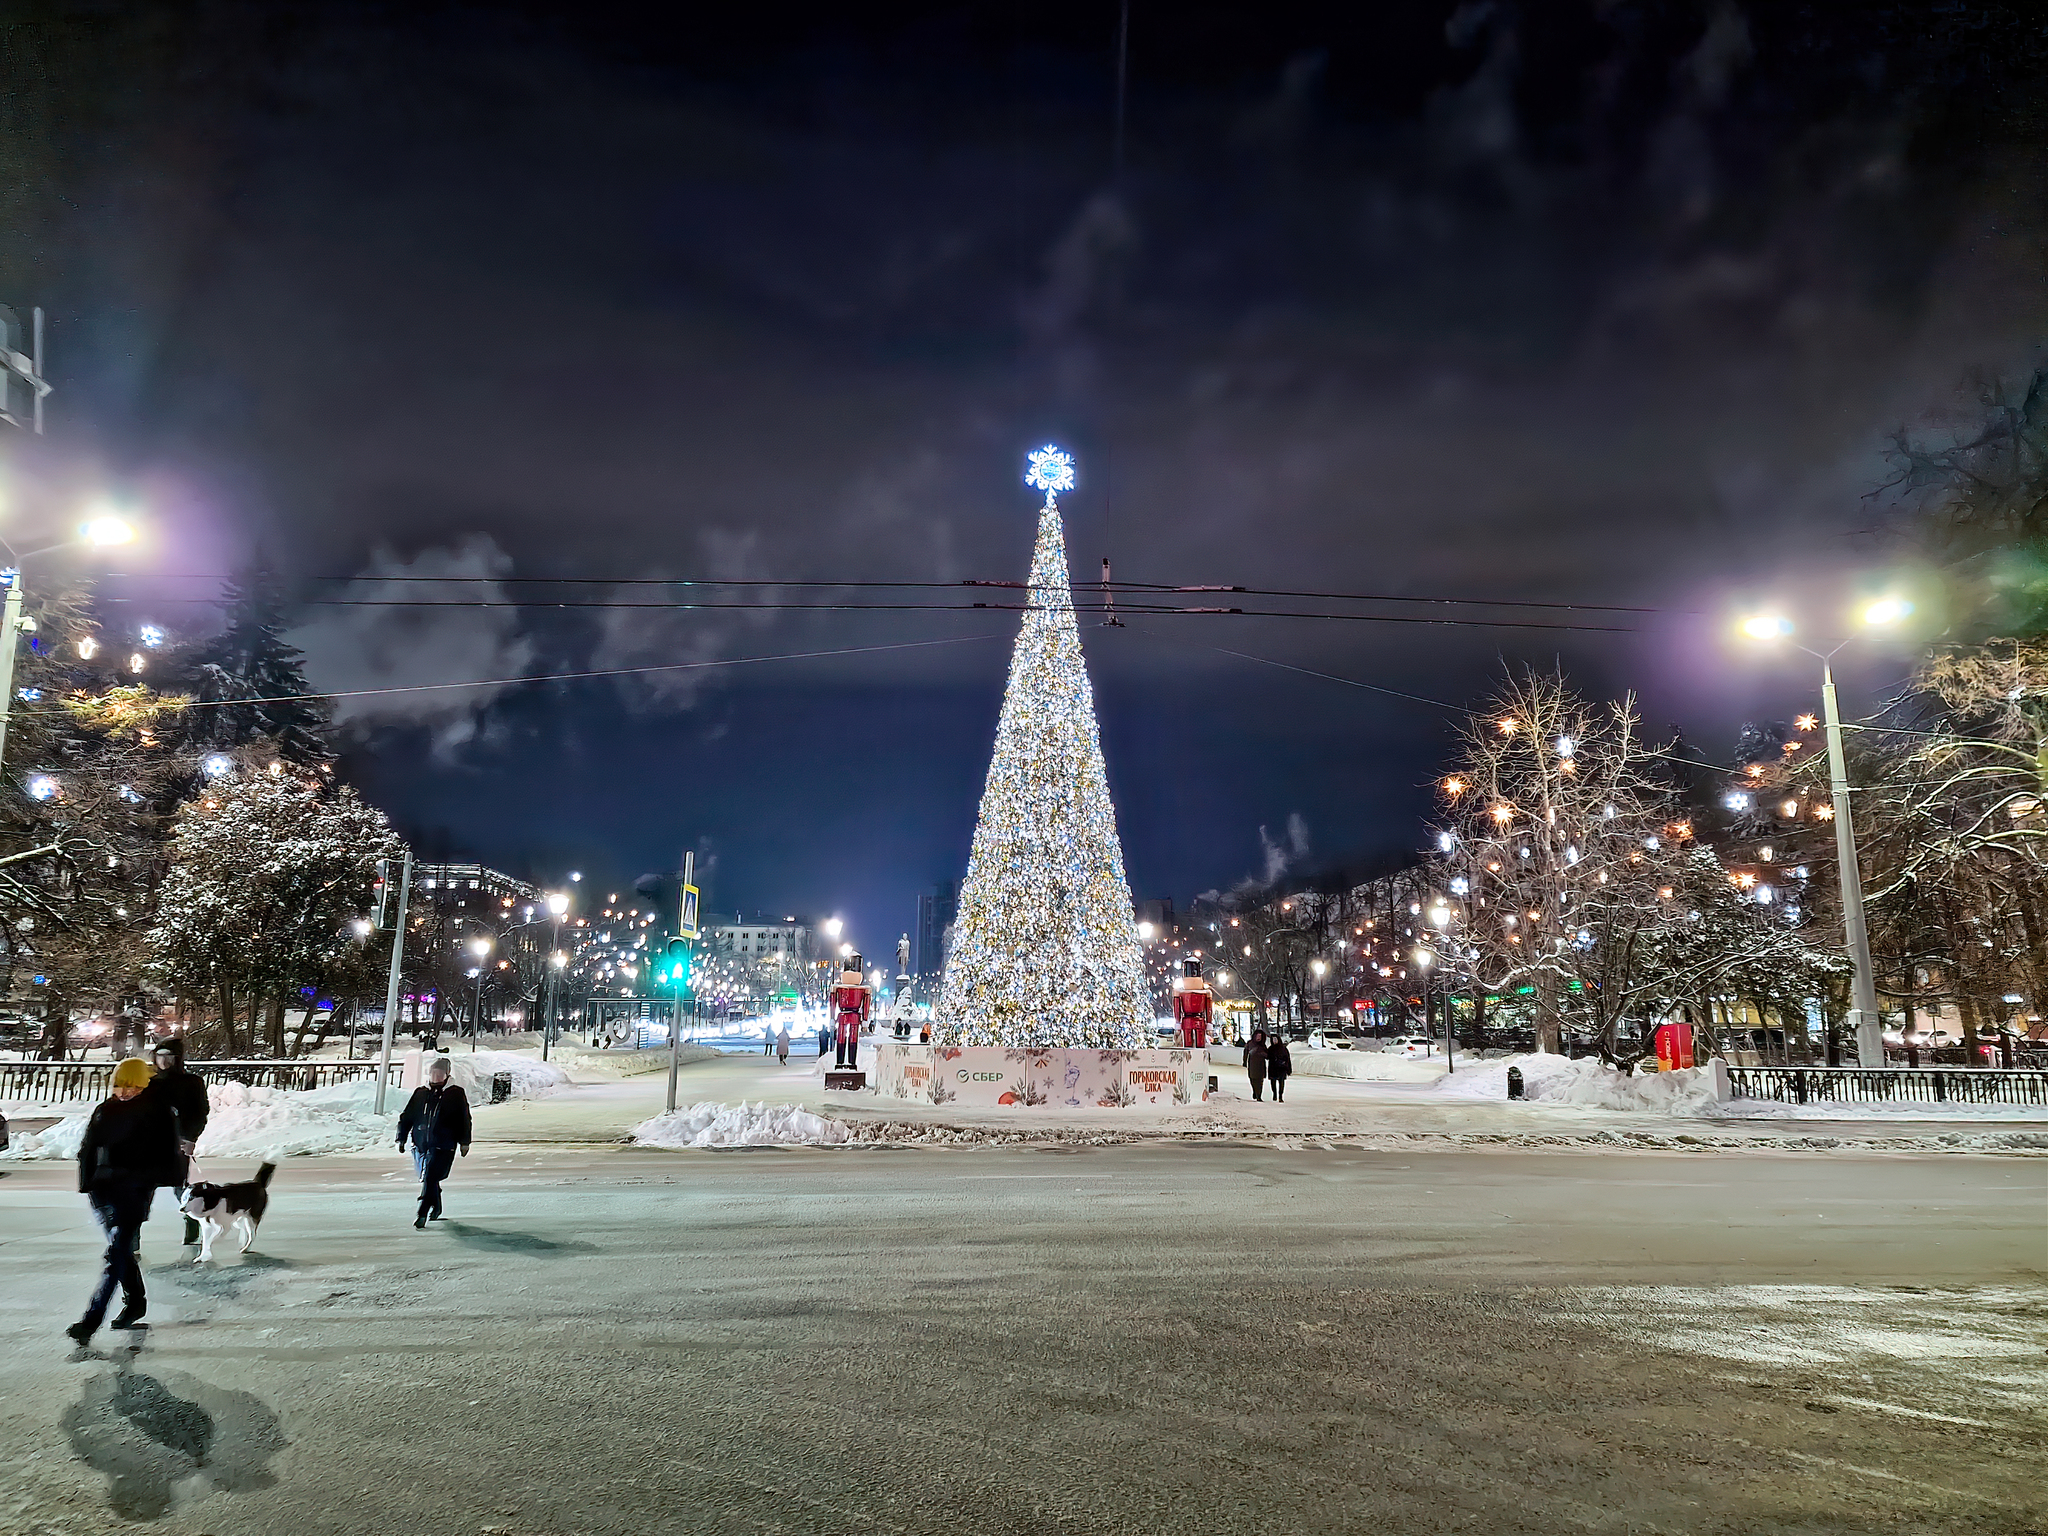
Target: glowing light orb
(42,787)
(1049,469)
(216,765)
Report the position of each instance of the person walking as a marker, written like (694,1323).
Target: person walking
(436,1120)
(782,1045)
(1279,1066)
(130,1150)
(185,1092)
(1255,1063)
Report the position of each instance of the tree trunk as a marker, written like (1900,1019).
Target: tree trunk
(1549,1038)
(1966,1005)
(276,1023)
(227,1018)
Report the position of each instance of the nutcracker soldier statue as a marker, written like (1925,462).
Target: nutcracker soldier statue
(1194,1009)
(851,1000)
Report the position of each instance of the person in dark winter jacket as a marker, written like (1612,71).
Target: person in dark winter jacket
(130,1150)
(1255,1062)
(436,1121)
(1279,1067)
(185,1092)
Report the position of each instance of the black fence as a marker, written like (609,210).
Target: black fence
(1872,1085)
(59,1082)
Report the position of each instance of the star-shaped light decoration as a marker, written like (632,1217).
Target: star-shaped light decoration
(1049,469)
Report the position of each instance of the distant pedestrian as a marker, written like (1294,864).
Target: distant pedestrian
(185,1092)
(782,1045)
(130,1150)
(1255,1062)
(824,1041)
(436,1120)
(1279,1066)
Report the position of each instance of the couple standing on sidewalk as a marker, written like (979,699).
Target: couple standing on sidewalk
(1267,1058)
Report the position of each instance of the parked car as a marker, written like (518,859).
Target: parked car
(1410,1046)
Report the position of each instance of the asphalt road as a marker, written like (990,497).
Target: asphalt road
(1155,1337)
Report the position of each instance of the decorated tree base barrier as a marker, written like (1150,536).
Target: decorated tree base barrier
(1053,1078)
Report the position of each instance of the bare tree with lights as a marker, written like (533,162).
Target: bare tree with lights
(1561,860)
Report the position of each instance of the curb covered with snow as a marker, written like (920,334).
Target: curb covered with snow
(741,1125)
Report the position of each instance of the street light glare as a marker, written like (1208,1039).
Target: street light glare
(105,528)
(1767,626)
(558,903)
(1887,610)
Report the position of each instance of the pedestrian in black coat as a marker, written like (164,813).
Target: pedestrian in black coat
(185,1092)
(1279,1067)
(1255,1062)
(436,1121)
(130,1151)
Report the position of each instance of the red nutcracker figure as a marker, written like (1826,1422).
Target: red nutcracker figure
(1194,1008)
(851,1000)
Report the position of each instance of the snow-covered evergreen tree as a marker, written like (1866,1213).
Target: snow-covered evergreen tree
(1045,950)
(248,683)
(268,874)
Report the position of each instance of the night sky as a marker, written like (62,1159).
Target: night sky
(1597,303)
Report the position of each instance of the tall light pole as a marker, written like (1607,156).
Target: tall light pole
(391,984)
(1440,919)
(480,947)
(1864,1016)
(558,908)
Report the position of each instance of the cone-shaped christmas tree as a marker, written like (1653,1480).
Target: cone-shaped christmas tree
(1045,948)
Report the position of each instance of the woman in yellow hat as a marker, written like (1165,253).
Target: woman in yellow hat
(130,1149)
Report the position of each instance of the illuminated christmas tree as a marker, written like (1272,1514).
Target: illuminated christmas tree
(1045,950)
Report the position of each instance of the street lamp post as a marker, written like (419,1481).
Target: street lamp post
(1440,919)
(1864,1016)
(558,908)
(479,947)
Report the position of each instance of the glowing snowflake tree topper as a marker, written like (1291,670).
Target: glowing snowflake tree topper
(1045,951)
(1049,469)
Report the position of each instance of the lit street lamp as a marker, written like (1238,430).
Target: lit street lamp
(1864,1016)
(480,947)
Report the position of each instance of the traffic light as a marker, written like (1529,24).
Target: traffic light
(674,965)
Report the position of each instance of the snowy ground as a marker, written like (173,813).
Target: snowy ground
(1239,1339)
(747,1099)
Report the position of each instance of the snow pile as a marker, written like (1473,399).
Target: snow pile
(275,1122)
(741,1125)
(472,1072)
(261,1123)
(1585,1084)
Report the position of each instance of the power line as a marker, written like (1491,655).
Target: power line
(566,677)
(757,606)
(856,586)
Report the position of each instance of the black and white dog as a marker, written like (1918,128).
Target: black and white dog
(217,1207)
